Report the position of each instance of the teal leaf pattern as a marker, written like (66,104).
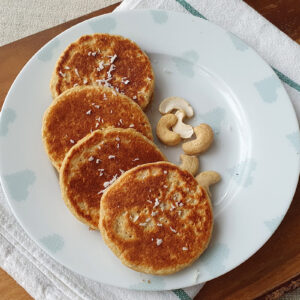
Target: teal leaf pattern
(294,139)
(214,258)
(159,16)
(53,242)
(8,116)
(213,118)
(242,173)
(103,25)
(185,64)
(272,224)
(19,183)
(46,53)
(238,43)
(268,88)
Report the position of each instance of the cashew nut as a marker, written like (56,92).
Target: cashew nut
(163,131)
(208,178)
(204,138)
(171,103)
(184,130)
(189,163)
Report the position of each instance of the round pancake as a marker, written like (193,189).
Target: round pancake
(80,110)
(156,218)
(97,161)
(104,59)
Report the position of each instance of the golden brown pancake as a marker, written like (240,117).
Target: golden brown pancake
(156,218)
(97,161)
(80,110)
(104,59)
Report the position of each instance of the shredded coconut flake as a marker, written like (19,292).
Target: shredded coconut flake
(117,139)
(156,202)
(165,186)
(97,124)
(89,112)
(149,201)
(85,81)
(62,74)
(94,53)
(91,158)
(172,229)
(98,161)
(72,141)
(111,68)
(154,213)
(67,68)
(185,249)
(108,183)
(136,159)
(100,192)
(111,156)
(159,242)
(125,80)
(99,147)
(165,172)
(76,72)
(134,97)
(114,92)
(136,218)
(112,58)
(75,84)
(122,171)
(143,224)
(159,224)
(131,125)
(100,66)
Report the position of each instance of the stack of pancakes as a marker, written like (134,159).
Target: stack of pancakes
(153,215)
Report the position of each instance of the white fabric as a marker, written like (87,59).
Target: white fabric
(44,278)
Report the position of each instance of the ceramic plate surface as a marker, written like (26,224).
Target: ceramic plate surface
(230,87)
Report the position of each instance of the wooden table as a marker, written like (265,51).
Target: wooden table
(275,268)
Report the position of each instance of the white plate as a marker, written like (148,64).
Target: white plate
(230,87)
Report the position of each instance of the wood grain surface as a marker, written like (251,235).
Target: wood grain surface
(275,267)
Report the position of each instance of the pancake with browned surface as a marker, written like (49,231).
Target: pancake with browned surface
(103,59)
(80,110)
(97,161)
(156,218)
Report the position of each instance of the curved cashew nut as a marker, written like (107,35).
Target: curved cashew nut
(189,163)
(163,131)
(204,138)
(184,130)
(208,178)
(171,103)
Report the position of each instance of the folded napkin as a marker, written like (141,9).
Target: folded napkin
(39,274)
